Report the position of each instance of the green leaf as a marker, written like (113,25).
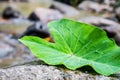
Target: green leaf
(76,45)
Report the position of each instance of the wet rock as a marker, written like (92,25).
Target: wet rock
(70,2)
(12,51)
(107,2)
(33,17)
(112,28)
(98,20)
(44,72)
(94,6)
(10,13)
(37,29)
(5,49)
(117,11)
(45,15)
(65,9)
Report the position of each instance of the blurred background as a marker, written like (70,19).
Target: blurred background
(19,18)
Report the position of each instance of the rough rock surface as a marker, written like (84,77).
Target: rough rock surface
(117,11)
(94,6)
(5,49)
(46,15)
(12,51)
(44,72)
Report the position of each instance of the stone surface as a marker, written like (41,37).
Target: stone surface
(117,11)
(44,72)
(65,9)
(12,51)
(90,5)
(5,49)
(97,20)
(37,29)
(46,15)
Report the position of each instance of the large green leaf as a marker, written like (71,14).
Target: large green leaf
(76,45)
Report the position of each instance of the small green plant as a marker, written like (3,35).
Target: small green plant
(76,45)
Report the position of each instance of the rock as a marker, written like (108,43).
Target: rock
(94,6)
(12,51)
(37,29)
(45,15)
(97,20)
(65,9)
(70,2)
(33,17)
(110,2)
(112,28)
(5,49)
(117,11)
(10,13)
(44,72)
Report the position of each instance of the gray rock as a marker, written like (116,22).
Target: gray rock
(12,51)
(43,72)
(97,20)
(66,9)
(117,11)
(5,49)
(46,15)
(90,5)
